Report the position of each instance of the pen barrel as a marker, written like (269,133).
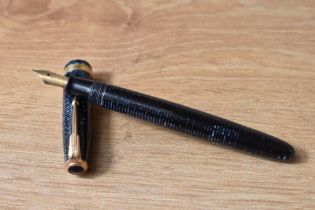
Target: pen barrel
(181,118)
(76,164)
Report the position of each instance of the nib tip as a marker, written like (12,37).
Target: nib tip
(51,78)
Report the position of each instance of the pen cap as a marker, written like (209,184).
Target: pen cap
(76,121)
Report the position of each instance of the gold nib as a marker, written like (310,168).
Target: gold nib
(51,78)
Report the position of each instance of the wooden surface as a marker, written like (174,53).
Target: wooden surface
(248,61)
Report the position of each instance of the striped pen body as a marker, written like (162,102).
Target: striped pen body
(181,118)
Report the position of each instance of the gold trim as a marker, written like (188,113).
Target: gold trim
(78,66)
(75,164)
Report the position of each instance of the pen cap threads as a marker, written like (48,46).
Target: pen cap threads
(76,122)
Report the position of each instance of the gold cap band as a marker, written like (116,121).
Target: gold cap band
(78,66)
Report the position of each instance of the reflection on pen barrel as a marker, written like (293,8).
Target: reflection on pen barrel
(76,122)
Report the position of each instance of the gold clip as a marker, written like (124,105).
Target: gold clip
(75,164)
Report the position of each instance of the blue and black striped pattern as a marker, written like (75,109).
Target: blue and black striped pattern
(83,117)
(166,114)
(184,119)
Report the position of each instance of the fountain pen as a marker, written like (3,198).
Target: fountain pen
(174,116)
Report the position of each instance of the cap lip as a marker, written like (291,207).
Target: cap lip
(78,65)
(71,163)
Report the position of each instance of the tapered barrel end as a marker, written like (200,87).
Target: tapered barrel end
(280,150)
(265,145)
(288,153)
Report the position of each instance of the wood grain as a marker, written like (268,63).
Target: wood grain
(249,61)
